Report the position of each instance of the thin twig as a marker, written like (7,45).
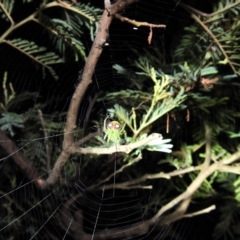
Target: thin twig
(139,157)
(167,123)
(144,227)
(192,10)
(205,172)
(86,138)
(139,24)
(15,26)
(154,176)
(226,8)
(203,211)
(7,13)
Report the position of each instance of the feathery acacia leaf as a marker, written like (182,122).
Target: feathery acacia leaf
(6,7)
(215,38)
(38,54)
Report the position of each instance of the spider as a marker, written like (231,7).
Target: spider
(113,131)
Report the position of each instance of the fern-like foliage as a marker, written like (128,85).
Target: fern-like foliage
(65,30)
(147,107)
(85,11)
(6,8)
(10,120)
(39,54)
(61,33)
(214,38)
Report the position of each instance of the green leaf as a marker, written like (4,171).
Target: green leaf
(38,54)
(208,71)
(10,120)
(122,114)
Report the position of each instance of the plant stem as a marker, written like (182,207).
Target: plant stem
(210,33)
(7,14)
(15,26)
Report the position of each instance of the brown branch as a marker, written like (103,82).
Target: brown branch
(86,138)
(16,154)
(125,185)
(183,199)
(177,214)
(139,24)
(143,227)
(196,184)
(94,54)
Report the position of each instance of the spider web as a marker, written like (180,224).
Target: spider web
(73,208)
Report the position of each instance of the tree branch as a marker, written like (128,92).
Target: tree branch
(139,24)
(16,154)
(196,184)
(116,148)
(125,185)
(143,227)
(203,211)
(94,54)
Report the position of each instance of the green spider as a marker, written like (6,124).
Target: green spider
(113,131)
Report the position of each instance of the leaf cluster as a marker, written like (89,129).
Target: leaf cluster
(65,31)
(147,107)
(204,82)
(213,39)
